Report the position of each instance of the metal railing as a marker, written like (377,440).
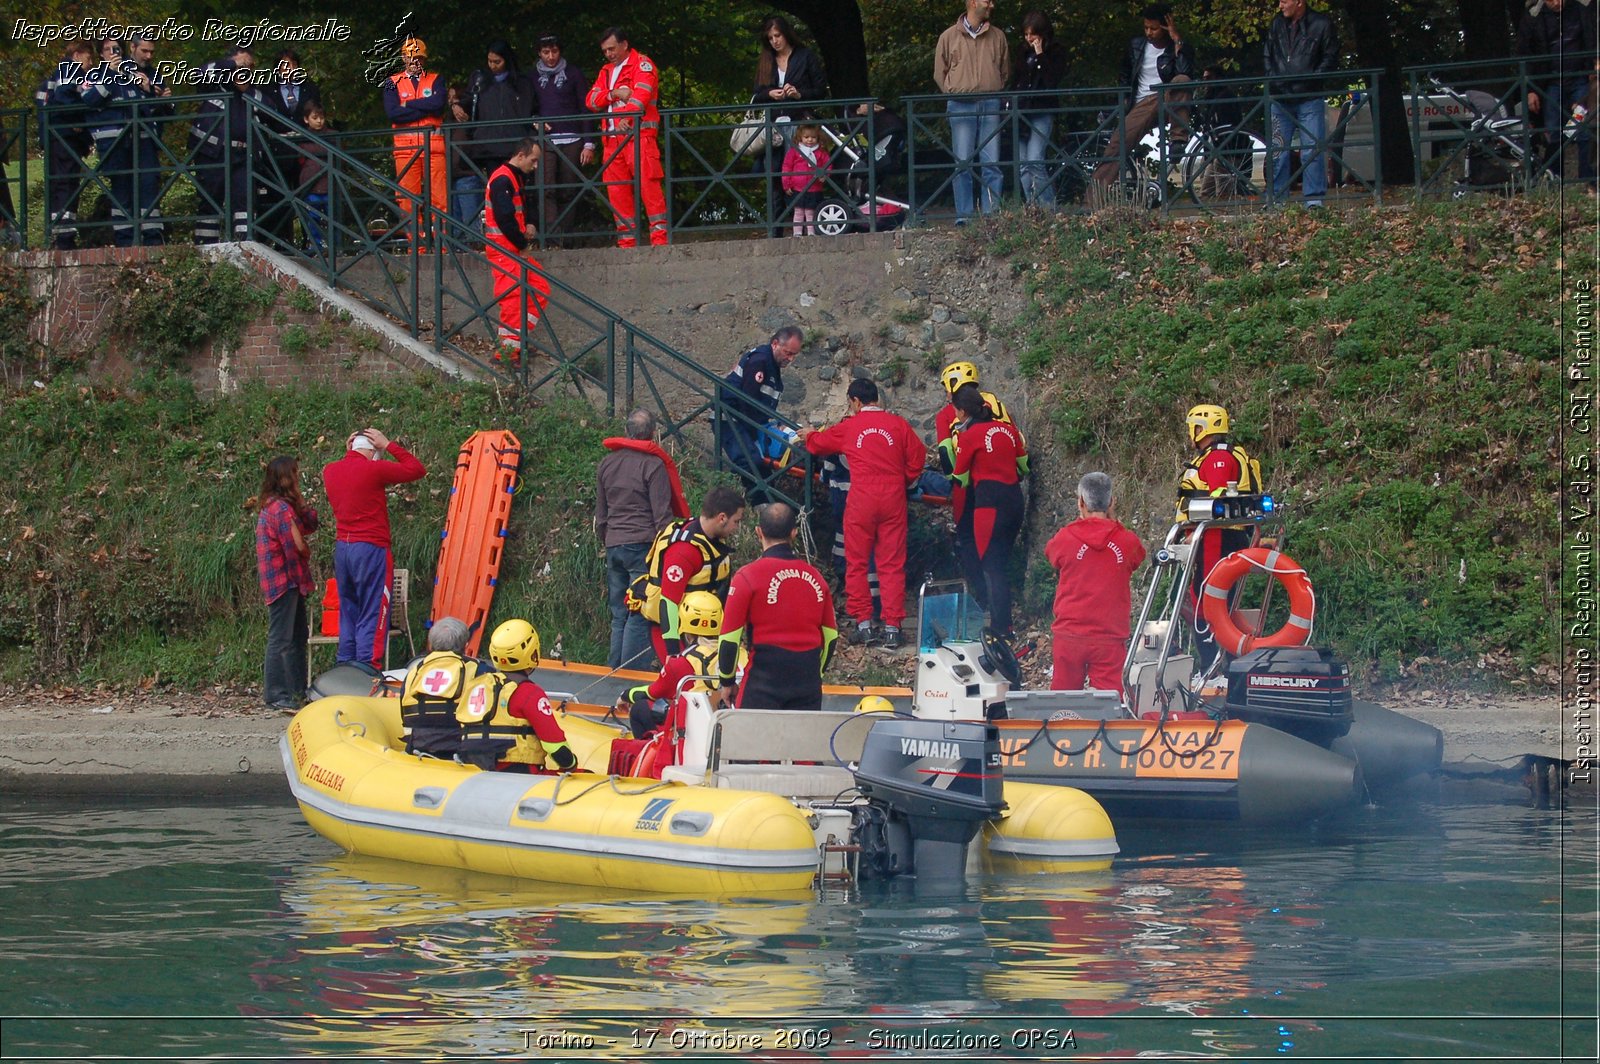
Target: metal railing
(1471,128)
(1048,146)
(435,280)
(711,187)
(15,126)
(1208,145)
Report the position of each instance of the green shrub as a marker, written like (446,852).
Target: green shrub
(182,300)
(1364,357)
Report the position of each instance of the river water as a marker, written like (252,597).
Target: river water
(1459,924)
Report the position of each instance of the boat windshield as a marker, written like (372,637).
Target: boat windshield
(947,615)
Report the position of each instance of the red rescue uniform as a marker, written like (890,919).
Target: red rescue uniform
(990,460)
(1094,558)
(692,561)
(886,456)
(529,702)
(416,106)
(1213,469)
(632,145)
(944,437)
(781,606)
(520,286)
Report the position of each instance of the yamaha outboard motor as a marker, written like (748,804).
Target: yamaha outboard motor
(1304,691)
(932,784)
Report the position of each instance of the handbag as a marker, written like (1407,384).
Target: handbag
(755,133)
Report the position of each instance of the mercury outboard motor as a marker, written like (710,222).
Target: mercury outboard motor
(931,786)
(1304,691)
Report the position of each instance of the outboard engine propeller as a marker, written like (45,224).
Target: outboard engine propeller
(931,785)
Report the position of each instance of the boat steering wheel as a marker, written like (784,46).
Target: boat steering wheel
(999,657)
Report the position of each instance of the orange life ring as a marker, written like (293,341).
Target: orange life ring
(1229,634)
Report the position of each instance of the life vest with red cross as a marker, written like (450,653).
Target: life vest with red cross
(433,689)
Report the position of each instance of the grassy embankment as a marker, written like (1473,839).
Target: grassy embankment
(1397,373)
(131,553)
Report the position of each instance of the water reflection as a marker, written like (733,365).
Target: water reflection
(234,928)
(473,957)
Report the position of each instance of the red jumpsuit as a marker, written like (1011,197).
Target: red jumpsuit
(990,458)
(944,434)
(1217,467)
(520,286)
(420,103)
(530,703)
(886,456)
(784,603)
(632,146)
(1095,558)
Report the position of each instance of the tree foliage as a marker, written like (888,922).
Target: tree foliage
(707,48)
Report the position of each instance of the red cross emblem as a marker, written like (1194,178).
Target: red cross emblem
(436,680)
(477,702)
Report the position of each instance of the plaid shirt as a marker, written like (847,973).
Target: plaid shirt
(280,564)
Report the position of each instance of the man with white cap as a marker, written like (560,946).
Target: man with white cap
(362,564)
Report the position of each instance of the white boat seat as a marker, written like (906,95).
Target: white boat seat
(756,749)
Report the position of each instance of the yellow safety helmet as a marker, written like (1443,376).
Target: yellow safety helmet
(414,48)
(1204,420)
(514,647)
(874,704)
(956,374)
(700,613)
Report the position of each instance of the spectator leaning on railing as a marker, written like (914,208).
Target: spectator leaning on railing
(122,100)
(1159,56)
(559,86)
(219,140)
(500,98)
(1302,46)
(1564,28)
(786,73)
(290,96)
(1042,67)
(971,58)
(65,139)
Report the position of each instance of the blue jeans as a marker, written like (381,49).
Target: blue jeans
(1555,107)
(630,632)
(466,201)
(975,133)
(1035,175)
(1307,122)
(316,219)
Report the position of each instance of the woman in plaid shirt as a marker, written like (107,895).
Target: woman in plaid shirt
(284,561)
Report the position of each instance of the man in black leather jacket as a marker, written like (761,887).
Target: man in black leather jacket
(1301,46)
(1159,56)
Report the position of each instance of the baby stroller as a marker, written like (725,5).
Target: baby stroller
(1496,154)
(847,206)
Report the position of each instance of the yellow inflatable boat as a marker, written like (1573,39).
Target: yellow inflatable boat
(723,823)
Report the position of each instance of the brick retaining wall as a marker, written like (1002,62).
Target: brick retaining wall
(76,322)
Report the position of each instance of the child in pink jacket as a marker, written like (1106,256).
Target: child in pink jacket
(805,172)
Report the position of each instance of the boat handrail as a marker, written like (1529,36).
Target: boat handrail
(359,727)
(713,682)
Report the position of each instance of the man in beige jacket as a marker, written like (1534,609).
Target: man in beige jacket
(973,58)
